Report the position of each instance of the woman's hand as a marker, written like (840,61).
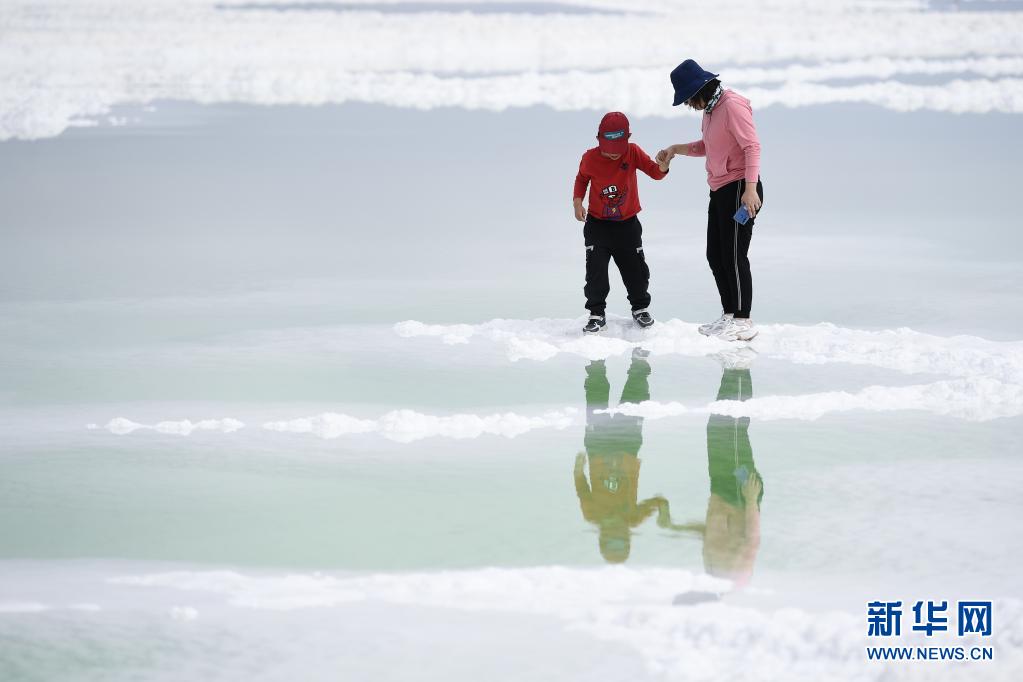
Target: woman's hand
(752,488)
(580,212)
(751,200)
(665,156)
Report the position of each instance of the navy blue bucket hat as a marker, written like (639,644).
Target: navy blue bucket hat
(687,79)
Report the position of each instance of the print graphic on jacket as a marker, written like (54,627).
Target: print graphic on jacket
(613,198)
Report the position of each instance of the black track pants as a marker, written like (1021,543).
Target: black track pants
(621,240)
(728,246)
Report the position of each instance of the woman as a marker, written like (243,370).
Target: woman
(733,172)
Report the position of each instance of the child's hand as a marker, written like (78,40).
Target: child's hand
(664,157)
(580,212)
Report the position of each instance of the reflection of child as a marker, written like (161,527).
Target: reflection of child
(612,227)
(609,498)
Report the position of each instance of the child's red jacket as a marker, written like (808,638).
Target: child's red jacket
(614,194)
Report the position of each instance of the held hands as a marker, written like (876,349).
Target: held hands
(580,212)
(663,512)
(664,157)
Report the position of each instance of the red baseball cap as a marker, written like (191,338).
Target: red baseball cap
(613,134)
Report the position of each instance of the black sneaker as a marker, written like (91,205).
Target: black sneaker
(595,323)
(642,318)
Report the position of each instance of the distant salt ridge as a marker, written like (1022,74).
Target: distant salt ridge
(702,642)
(64,64)
(406,426)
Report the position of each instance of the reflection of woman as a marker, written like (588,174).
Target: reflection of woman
(732,534)
(609,498)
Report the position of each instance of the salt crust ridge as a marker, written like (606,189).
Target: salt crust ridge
(403,426)
(986,376)
(701,642)
(406,426)
(68,64)
(122,426)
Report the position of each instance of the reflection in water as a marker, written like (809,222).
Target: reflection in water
(731,536)
(731,532)
(609,498)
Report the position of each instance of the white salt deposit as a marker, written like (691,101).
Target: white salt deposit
(403,426)
(64,64)
(977,399)
(902,350)
(705,641)
(406,426)
(122,426)
(987,376)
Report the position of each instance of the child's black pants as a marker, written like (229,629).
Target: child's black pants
(621,240)
(728,246)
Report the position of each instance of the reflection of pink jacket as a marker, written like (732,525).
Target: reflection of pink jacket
(729,142)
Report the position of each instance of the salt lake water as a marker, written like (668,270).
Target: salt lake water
(299,392)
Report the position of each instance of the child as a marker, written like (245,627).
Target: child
(612,229)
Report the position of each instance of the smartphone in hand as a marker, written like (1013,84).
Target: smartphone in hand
(742,215)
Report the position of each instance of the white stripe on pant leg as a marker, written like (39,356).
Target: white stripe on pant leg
(735,435)
(735,248)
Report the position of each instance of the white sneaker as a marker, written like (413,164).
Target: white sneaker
(741,329)
(712,328)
